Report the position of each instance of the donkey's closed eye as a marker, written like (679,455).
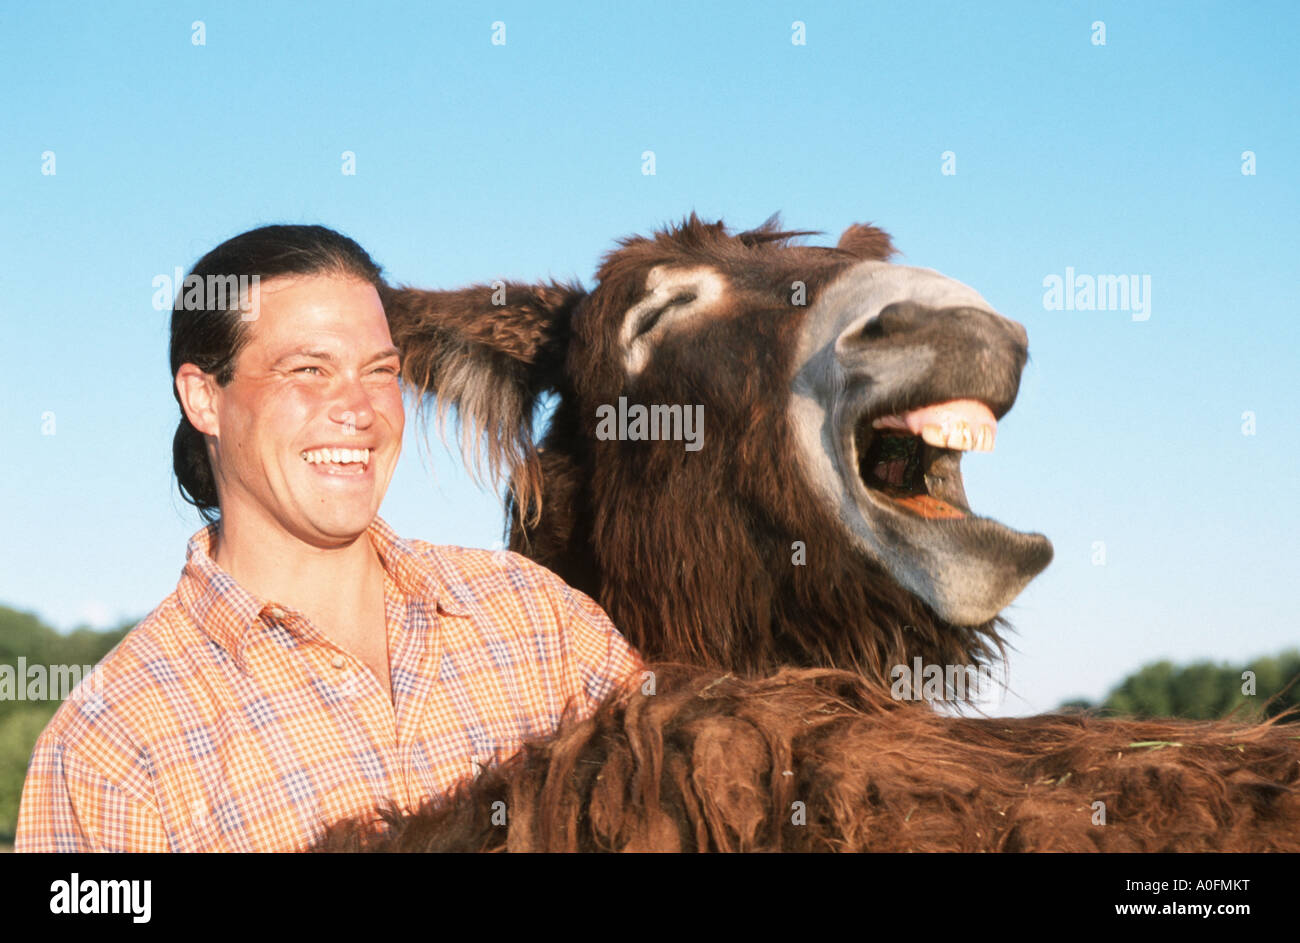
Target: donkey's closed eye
(653,318)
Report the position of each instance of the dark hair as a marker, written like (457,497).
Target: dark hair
(211,334)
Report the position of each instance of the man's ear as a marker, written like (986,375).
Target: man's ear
(195,391)
(490,351)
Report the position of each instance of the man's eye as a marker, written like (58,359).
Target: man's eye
(301,369)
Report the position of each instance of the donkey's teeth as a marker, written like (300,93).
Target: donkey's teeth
(934,435)
(959,424)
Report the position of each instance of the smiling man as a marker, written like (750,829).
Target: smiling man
(311,665)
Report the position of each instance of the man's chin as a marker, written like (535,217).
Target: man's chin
(336,527)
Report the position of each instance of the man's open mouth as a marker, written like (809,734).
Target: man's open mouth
(913,458)
(338,461)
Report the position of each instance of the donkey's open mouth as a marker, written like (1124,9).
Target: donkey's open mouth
(914,458)
(898,372)
(904,470)
(917,477)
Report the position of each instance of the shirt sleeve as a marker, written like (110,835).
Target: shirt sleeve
(70,805)
(603,658)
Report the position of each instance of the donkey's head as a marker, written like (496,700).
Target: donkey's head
(755,452)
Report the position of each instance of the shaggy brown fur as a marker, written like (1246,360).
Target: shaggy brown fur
(819,760)
(690,555)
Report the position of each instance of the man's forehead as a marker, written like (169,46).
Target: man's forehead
(328,315)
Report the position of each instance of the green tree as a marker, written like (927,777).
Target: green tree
(24,635)
(18,732)
(1207,691)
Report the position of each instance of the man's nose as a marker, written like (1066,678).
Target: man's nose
(352,406)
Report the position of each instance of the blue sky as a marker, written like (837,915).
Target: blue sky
(476,161)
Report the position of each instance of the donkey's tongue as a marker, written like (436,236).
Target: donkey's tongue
(957,424)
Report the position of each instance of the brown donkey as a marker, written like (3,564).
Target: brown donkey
(754,465)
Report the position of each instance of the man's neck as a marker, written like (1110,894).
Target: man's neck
(333,586)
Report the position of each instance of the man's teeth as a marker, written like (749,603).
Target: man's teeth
(338,456)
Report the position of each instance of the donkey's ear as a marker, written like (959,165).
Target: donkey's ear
(490,351)
(866,242)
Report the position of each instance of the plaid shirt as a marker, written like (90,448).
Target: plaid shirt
(228,722)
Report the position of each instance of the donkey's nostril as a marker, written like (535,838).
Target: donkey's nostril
(872,330)
(900,317)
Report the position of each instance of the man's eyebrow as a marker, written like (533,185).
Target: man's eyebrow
(384,355)
(328,357)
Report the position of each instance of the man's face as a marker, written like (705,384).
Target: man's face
(319,373)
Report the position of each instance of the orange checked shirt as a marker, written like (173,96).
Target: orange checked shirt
(224,722)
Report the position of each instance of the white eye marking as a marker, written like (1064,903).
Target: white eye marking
(674,296)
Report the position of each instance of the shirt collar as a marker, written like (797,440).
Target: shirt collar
(227,612)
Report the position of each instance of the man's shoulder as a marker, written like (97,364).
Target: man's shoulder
(126,682)
(510,595)
(502,588)
(474,565)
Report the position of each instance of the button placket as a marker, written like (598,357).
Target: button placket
(351,683)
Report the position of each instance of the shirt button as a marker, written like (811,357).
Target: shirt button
(338,661)
(277,612)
